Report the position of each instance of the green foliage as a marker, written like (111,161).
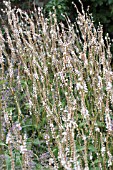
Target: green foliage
(60,6)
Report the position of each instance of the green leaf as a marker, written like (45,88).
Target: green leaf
(92,148)
(96,161)
(8,161)
(55,152)
(81,148)
(28,126)
(2,82)
(82,124)
(36,142)
(100,124)
(10,109)
(3,144)
(110,2)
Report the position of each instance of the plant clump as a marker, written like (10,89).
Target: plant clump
(56,87)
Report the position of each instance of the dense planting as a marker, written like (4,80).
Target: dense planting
(56,87)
